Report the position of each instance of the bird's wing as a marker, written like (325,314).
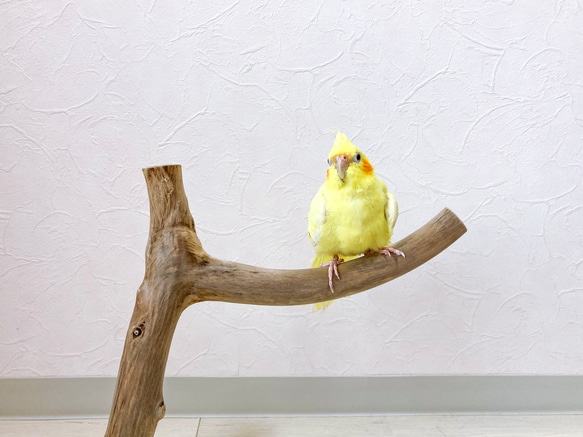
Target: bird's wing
(391,212)
(317,216)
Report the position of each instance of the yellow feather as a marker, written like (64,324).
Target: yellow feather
(350,216)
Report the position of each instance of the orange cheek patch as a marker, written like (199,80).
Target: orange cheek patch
(366,167)
(327,174)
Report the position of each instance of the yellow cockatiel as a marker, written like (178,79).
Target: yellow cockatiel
(352,213)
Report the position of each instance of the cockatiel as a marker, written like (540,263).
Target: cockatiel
(352,213)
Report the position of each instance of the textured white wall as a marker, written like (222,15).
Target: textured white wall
(474,105)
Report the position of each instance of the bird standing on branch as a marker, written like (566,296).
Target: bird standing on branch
(352,213)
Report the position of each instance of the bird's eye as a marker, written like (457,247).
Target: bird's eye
(328,161)
(357,157)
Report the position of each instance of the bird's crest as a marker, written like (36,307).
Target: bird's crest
(342,146)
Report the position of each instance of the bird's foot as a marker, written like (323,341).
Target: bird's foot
(386,251)
(333,270)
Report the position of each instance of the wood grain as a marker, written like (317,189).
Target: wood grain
(404,426)
(552,425)
(180,273)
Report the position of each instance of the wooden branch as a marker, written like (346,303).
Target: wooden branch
(179,273)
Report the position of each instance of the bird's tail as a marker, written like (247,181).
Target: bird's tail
(323,258)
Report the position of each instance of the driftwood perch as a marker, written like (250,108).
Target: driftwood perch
(180,273)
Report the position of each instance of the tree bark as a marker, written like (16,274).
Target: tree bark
(179,273)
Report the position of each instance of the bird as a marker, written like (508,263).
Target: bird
(351,214)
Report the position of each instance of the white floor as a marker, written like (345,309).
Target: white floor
(371,426)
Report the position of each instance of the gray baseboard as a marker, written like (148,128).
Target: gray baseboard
(91,397)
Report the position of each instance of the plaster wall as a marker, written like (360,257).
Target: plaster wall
(473,105)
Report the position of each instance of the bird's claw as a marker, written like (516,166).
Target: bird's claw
(386,251)
(333,270)
(389,250)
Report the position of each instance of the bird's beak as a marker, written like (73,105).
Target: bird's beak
(341,166)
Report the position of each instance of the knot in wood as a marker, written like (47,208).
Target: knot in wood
(138,330)
(161,411)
